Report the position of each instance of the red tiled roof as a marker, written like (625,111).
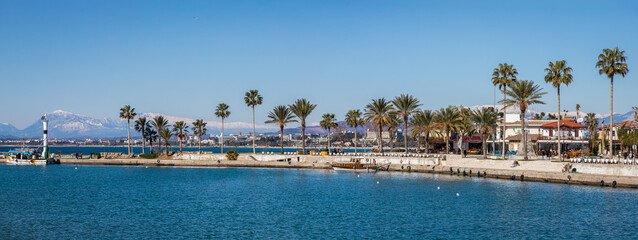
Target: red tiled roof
(564,123)
(627,124)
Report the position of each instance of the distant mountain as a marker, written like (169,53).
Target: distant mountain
(66,125)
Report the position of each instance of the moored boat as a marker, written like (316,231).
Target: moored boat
(24,156)
(356,165)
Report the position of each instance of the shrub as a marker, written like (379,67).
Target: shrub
(232,154)
(148,155)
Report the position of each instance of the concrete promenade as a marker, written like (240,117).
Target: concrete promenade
(625,176)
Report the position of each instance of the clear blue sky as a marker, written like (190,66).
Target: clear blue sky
(182,58)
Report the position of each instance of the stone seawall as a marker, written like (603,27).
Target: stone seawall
(538,171)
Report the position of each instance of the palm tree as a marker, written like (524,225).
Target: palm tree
(328,122)
(448,118)
(578,112)
(392,126)
(181,131)
(302,109)
(199,129)
(141,124)
(486,118)
(353,119)
(378,114)
(252,98)
(558,73)
(281,115)
(524,93)
(406,105)
(423,123)
(592,123)
(151,134)
(222,112)
(128,113)
(503,77)
(611,63)
(159,122)
(166,134)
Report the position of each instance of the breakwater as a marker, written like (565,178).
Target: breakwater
(537,171)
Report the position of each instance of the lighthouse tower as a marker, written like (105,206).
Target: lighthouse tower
(45,148)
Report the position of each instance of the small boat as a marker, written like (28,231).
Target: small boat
(356,165)
(24,156)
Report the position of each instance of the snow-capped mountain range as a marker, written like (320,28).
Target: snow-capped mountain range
(66,125)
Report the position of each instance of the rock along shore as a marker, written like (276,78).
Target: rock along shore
(537,171)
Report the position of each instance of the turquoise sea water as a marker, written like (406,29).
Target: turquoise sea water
(138,150)
(111,202)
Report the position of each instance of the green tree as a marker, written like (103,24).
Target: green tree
(423,123)
(302,109)
(503,76)
(558,73)
(328,122)
(485,118)
(281,115)
(166,134)
(128,113)
(406,105)
(181,131)
(222,112)
(378,114)
(592,123)
(392,127)
(252,99)
(159,122)
(611,63)
(449,119)
(141,124)
(522,94)
(353,119)
(199,129)
(151,134)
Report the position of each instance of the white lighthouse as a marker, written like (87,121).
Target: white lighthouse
(45,149)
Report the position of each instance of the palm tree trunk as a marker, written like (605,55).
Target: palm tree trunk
(281,138)
(379,138)
(222,136)
(355,139)
(484,138)
(560,156)
(405,133)
(329,146)
(427,142)
(180,143)
(503,121)
(611,120)
(128,129)
(199,140)
(254,129)
(143,143)
(524,136)
(303,135)
(447,141)
(159,143)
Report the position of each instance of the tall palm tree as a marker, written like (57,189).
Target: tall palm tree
(558,73)
(485,118)
(392,127)
(151,134)
(423,123)
(159,122)
(406,105)
(252,98)
(199,129)
(222,112)
(378,114)
(578,108)
(281,115)
(181,131)
(592,123)
(611,63)
(522,94)
(448,118)
(128,113)
(503,76)
(302,109)
(328,122)
(166,134)
(353,119)
(141,124)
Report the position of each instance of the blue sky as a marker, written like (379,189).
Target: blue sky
(182,58)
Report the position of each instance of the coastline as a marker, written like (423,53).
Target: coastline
(533,171)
